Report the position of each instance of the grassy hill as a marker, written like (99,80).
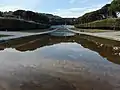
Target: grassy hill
(19,24)
(110,23)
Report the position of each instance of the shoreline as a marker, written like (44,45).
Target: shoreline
(15,35)
(114,35)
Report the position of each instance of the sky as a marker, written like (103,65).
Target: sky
(63,8)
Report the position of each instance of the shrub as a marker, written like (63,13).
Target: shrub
(17,25)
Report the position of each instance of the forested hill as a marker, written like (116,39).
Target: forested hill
(25,20)
(100,14)
(105,18)
(42,18)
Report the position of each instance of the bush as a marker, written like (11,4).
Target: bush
(111,23)
(18,25)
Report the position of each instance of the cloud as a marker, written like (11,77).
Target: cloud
(75,8)
(12,5)
(76,12)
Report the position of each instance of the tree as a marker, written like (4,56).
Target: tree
(29,15)
(42,18)
(100,14)
(19,13)
(1,13)
(115,6)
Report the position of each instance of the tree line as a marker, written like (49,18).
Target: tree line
(115,6)
(39,17)
(107,11)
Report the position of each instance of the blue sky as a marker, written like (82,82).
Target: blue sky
(64,8)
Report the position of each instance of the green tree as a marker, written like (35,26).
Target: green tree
(100,14)
(115,6)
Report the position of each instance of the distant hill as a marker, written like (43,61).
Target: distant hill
(42,18)
(22,20)
(51,16)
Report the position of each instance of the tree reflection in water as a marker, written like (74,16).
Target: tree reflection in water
(106,48)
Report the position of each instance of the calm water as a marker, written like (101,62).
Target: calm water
(71,63)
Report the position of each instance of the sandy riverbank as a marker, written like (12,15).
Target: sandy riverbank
(112,35)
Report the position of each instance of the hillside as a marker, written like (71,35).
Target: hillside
(104,18)
(23,20)
(100,14)
(110,24)
(19,24)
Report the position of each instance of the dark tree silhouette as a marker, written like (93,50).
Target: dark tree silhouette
(1,13)
(19,13)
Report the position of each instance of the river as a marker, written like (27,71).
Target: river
(45,62)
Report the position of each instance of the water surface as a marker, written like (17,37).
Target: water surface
(71,63)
